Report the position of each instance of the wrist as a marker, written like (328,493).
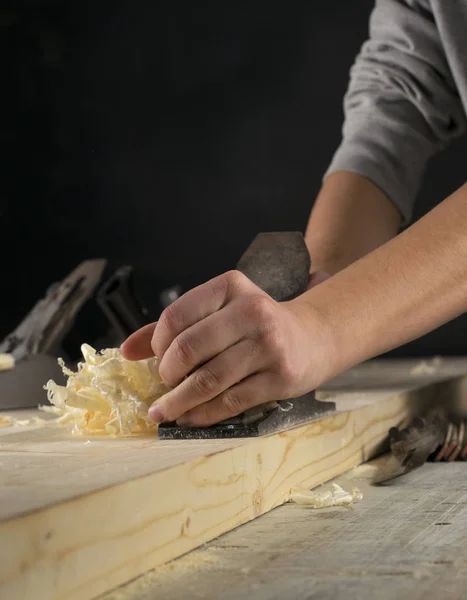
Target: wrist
(319,343)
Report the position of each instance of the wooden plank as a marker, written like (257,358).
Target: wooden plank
(404,541)
(79,517)
(46,466)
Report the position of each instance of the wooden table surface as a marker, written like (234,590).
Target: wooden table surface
(403,541)
(80,516)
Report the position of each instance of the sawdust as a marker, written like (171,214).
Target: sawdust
(8,421)
(146,585)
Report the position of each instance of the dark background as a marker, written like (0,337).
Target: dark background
(166,135)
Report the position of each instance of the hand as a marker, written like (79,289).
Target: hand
(316,278)
(226,346)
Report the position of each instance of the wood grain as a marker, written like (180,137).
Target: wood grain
(404,541)
(80,517)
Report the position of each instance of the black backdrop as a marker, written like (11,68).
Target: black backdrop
(166,135)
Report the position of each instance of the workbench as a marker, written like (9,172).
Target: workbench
(79,517)
(406,540)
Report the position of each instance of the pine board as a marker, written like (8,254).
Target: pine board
(404,541)
(80,517)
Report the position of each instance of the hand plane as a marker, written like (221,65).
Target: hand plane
(278,263)
(434,437)
(35,342)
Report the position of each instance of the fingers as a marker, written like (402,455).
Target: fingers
(202,342)
(194,306)
(138,345)
(207,382)
(250,392)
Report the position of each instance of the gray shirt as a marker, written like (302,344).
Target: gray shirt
(407,96)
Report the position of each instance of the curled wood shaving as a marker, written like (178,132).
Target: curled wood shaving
(107,395)
(325,498)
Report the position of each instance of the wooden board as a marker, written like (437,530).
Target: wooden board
(404,541)
(79,517)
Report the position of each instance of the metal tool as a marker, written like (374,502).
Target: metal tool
(37,339)
(435,437)
(120,304)
(279,263)
(118,301)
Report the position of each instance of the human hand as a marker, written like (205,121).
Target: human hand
(227,346)
(317,278)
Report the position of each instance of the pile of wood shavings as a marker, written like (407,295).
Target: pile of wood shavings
(325,498)
(108,394)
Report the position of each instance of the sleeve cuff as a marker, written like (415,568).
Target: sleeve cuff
(389,155)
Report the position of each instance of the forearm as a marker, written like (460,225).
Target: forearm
(401,107)
(402,290)
(350,218)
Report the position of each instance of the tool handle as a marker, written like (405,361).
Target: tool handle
(279,263)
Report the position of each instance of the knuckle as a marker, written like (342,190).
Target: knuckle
(218,286)
(261,309)
(171,317)
(273,340)
(235,279)
(225,285)
(205,382)
(288,372)
(232,403)
(184,349)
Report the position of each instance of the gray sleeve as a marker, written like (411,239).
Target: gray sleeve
(402,104)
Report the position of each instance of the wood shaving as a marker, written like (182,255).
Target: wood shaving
(325,498)
(15,422)
(7,362)
(108,395)
(427,367)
